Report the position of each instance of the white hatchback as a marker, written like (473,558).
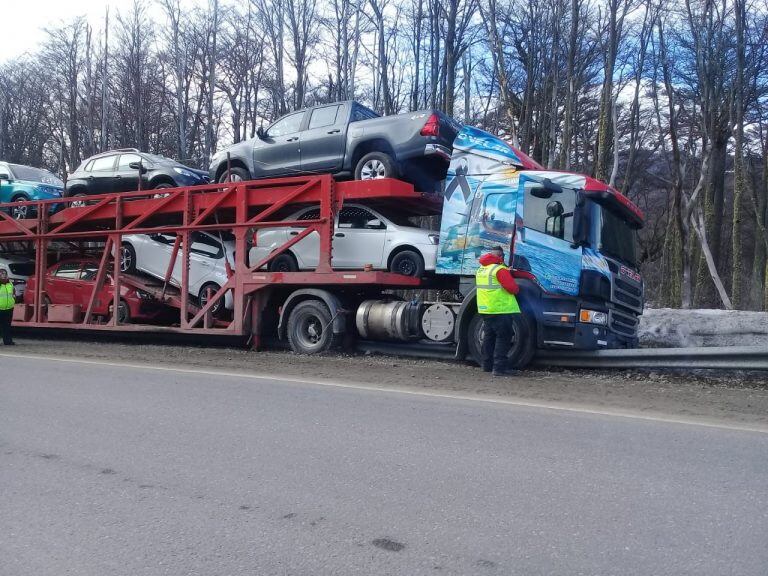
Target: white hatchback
(362,236)
(19,270)
(208,254)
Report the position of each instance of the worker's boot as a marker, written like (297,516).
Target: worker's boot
(502,370)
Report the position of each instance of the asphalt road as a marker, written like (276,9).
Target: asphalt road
(109,470)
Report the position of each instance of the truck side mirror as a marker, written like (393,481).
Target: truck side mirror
(541,192)
(581,222)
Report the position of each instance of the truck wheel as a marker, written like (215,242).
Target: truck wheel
(236,174)
(310,329)
(375,165)
(523,341)
(284,263)
(407,263)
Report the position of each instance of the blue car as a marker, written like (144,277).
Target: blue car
(20,183)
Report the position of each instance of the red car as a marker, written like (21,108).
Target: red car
(72,281)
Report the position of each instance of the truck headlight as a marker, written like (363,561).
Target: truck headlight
(593,317)
(434,239)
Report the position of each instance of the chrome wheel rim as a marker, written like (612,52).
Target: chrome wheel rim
(78,203)
(373,170)
(19,212)
(125,259)
(204,300)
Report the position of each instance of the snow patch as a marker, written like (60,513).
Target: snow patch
(668,327)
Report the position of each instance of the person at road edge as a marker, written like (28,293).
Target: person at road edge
(497,302)
(7,301)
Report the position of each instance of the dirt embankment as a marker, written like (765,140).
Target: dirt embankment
(731,398)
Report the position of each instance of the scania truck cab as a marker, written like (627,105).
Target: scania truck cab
(571,240)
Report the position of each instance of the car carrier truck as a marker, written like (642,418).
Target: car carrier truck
(570,237)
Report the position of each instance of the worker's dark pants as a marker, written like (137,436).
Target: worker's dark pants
(497,340)
(5,325)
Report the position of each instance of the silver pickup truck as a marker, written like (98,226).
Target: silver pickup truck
(346,139)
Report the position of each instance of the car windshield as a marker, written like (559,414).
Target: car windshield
(618,238)
(35,175)
(158,158)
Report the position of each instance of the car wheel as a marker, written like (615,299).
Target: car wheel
(80,202)
(202,298)
(523,341)
(310,329)
(161,186)
(236,174)
(123,312)
(407,263)
(20,212)
(375,165)
(284,263)
(127,258)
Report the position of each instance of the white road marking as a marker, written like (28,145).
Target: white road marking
(408,391)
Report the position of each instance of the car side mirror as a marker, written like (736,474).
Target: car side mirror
(5,176)
(260,133)
(138,166)
(375,224)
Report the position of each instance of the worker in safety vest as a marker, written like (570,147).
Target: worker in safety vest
(496,301)
(7,300)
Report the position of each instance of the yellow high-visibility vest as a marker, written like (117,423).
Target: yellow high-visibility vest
(491,296)
(6,296)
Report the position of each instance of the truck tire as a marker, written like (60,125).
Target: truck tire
(523,347)
(375,165)
(238,175)
(407,263)
(310,329)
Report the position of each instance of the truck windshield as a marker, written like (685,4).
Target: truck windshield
(617,237)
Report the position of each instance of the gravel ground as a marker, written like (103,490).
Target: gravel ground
(716,398)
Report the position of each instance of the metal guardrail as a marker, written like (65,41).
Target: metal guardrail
(721,358)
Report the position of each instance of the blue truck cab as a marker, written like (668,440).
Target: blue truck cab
(572,240)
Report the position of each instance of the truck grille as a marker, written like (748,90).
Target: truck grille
(622,323)
(626,291)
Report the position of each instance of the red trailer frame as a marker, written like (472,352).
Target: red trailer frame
(236,207)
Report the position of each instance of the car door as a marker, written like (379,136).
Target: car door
(324,140)
(359,238)
(6,188)
(307,251)
(63,286)
(206,261)
(279,151)
(154,253)
(127,178)
(85,288)
(100,174)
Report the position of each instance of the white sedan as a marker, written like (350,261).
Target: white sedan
(362,236)
(151,254)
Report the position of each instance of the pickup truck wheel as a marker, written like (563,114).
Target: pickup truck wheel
(375,165)
(407,263)
(236,174)
(284,263)
(523,341)
(310,329)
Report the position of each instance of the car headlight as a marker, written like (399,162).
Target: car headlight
(434,239)
(144,295)
(593,317)
(186,173)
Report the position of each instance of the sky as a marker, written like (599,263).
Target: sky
(24,21)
